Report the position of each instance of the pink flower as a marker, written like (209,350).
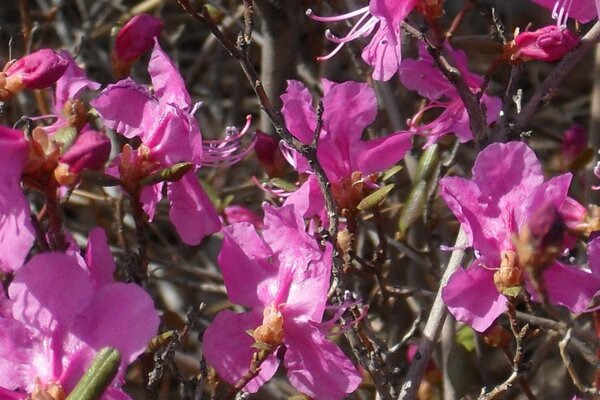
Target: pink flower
(69,111)
(283,279)
(37,70)
(582,10)
(133,40)
(504,203)
(348,160)
(235,213)
(384,17)
(62,310)
(426,79)
(90,151)
(16,231)
(549,43)
(164,122)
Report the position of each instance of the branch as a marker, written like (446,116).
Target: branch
(433,326)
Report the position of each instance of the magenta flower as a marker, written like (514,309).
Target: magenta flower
(426,79)
(164,122)
(16,231)
(506,197)
(283,278)
(61,310)
(347,160)
(581,10)
(384,17)
(549,43)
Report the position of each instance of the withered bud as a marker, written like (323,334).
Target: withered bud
(509,275)
(271,330)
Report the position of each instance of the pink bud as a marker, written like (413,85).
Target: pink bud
(550,43)
(90,151)
(38,70)
(137,37)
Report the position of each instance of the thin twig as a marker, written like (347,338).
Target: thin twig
(562,346)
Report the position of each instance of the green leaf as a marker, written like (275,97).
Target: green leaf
(375,198)
(99,375)
(466,337)
(170,174)
(283,184)
(391,172)
(414,206)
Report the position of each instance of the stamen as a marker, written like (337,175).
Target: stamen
(311,15)
(229,150)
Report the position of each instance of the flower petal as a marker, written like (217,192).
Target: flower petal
(49,290)
(568,286)
(228,348)
(191,211)
(316,366)
(168,83)
(99,259)
(472,297)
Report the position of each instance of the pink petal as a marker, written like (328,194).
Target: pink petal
(16,230)
(337,101)
(43,306)
(169,138)
(305,270)
(243,261)
(150,198)
(379,154)
(383,53)
(307,200)
(168,83)
(228,348)
(191,211)
(127,108)
(507,168)
(472,297)
(71,83)
(485,231)
(300,117)
(568,286)
(594,256)
(99,259)
(108,322)
(137,36)
(315,366)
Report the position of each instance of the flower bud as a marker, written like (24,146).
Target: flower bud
(90,151)
(549,43)
(133,40)
(37,70)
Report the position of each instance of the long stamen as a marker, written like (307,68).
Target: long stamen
(230,150)
(309,14)
(560,12)
(359,29)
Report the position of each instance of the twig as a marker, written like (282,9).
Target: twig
(562,346)
(433,327)
(560,72)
